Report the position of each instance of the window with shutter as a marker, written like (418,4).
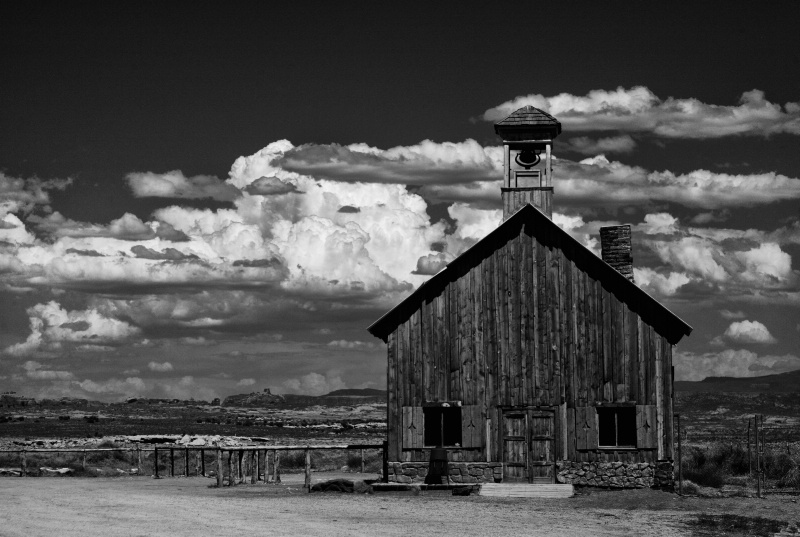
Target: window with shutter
(442,426)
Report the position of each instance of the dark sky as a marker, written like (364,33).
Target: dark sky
(97,90)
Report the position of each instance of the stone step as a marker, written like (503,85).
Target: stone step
(526,490)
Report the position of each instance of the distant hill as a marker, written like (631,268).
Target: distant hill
(783,382)
(354,392)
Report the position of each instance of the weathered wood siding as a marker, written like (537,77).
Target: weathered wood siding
(525,324)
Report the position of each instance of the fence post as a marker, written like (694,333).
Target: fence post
(140,465)
(186,462)
(172,462)
(257,459)
(202,462)
(155,462)
(680,458)
(219,468)
(749,456)
(84,460)
(385,461)
(758,457)
(362,460)
(24,467)
(231,469)
(307,484)
(276,466)
(254,467)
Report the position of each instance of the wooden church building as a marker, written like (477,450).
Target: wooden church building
(528,358)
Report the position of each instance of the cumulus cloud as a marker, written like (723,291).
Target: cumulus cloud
(160,367)
(598,182)
(749,332)
(128,227)
(246,382)
(590,146)
(176,185)
(731,363)
(130,386)
(24,195)
(51,326)
(432,263)
(345,344)
(639,110)
(33,370)
(270,186)
(314,384)
(423,163)
(659,284)
(728,314)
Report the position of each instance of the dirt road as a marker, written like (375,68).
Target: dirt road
(109,507)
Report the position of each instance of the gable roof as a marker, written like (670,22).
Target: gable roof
(649,309)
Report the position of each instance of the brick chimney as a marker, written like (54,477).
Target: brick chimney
(616,249)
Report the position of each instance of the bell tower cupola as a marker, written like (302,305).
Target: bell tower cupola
(528,136)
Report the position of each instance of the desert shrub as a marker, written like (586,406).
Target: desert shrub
(777,465)
(373,461)
(791,479)
(704,468)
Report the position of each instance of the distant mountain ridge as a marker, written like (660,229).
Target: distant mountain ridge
(782,382)
(357,392)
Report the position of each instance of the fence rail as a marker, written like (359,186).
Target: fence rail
(237,466)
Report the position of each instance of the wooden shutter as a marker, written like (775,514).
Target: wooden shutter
(472,429)
(646,430)
(585,427)
(412,427)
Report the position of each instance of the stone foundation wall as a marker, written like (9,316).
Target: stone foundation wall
(617,474)
(460,472)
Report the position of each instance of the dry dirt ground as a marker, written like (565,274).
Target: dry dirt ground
(109,507)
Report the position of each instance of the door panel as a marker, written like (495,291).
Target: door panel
(541,459)
(515,448)
(528,437)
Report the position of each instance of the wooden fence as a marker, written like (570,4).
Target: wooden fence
(236,464)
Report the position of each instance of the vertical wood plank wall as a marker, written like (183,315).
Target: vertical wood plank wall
(525,325)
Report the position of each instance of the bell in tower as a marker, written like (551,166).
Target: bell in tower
(528,137)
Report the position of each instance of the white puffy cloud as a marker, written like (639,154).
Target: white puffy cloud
(731,363)
(471,225)
(598,182)
(176,185)
(728,314)
(659,284)
(130,386)
(659,223)
(749,332)
(345,344)
(314,384)
(127,227)
(33,370)
(246,382)
(423,163)
(51,325)
(639,110)
(160,367)
(766,262)
(591,146)
(23,195)
(12,230)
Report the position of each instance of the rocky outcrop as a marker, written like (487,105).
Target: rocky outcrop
(257,399)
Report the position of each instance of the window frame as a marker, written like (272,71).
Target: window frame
(632,433)
(444,432)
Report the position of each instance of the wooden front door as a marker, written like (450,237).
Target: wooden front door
(527,439)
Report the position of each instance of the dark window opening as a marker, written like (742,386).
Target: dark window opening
(442,426)
(617,426)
